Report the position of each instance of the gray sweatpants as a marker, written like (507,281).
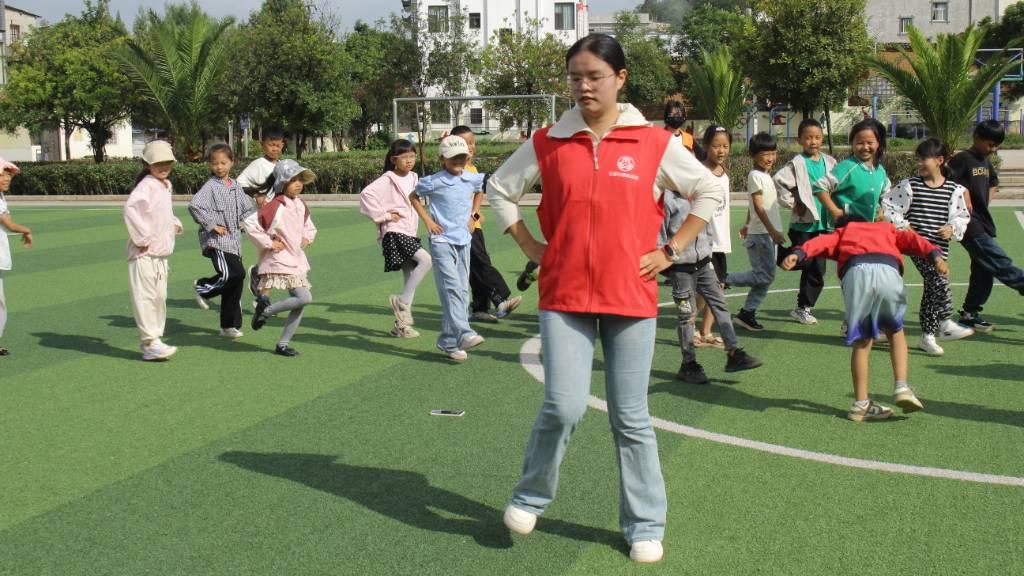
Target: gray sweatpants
(295,303)
(761,252)
(685,287)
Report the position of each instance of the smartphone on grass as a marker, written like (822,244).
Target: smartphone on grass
(447,412)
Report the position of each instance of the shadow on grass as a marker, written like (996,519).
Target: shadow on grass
(84,344)
(407,497)
(178,333)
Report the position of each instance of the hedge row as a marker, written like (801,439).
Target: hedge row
(334,175)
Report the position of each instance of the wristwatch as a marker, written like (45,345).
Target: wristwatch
(672,252)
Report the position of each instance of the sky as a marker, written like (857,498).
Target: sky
(348,10)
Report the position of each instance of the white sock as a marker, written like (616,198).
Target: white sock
(900,385)
(862,403)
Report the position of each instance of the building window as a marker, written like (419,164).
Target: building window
(565,16)
(15,33)
(905,23)
(474,20)
(437,18)
(940,11)
(476,116)
(504,35)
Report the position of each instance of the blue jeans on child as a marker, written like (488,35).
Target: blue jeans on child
(761,252)
(568,355)
(451,274)
(988,262)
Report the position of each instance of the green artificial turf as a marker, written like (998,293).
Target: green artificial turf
(230,460)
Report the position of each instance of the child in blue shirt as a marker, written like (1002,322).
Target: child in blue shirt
(450,223)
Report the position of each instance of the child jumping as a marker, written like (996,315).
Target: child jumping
(220,207)
(870,265)
(450,221)
(385,201)
(935,208)
(7,172)
(972,170)
(763,230)
(693,274)
(809,218)
(284,232)
(486,285)
(151,231)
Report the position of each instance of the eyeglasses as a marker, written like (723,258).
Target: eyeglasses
(578,81)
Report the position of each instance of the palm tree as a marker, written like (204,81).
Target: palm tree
(941,80)
(718,90)
(175,64)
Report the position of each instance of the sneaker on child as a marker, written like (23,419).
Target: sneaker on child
(803,316)
(950,330)
(869,411)
(231,332)
(904,398)
(748,319)
(157,350)
(285,350)
(404,331)
(506,307)
(692,373)
(483,316)
(739,360)
(254,280)
(458,355)
(471,342)
(259,318)
(403,313)
(930,346)
(974,321)
(519,521)
(202,302)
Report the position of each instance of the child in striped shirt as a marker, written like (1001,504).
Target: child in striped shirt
(934,207)
(219,208)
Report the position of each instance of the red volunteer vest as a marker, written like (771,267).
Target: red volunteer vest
(599,216)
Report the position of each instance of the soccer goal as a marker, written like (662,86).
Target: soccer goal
(504,118)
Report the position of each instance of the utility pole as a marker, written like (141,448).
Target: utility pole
(3,43)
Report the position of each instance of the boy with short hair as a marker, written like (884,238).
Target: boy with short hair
(809,218)
(255,181)
(972,170)
(763,230)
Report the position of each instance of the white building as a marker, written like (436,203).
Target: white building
(888,20)
(489,19)
(13,27)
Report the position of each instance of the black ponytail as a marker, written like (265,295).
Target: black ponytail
(397,148)
(935,148)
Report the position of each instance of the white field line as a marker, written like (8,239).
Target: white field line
(529,357)
(1020,217)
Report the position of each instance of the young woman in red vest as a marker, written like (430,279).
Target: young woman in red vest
(602,168)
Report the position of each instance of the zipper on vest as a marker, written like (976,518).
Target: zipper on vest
(595,143)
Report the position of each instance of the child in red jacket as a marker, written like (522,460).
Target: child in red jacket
(870,264)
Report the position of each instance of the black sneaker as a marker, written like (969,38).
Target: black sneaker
(973,320)
(748,320)
(285,351)
(259,318)
(5,352)
(527,277)
(692,373)
(740,360)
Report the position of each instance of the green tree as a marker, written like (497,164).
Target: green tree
(452,61)
(651,77)
(61,76)
(381,71)
(523,63)
(296,73)
(1007,34)
(717,89)
(670,11)
(941,80)
(806,53)
(176,67)
(707,27)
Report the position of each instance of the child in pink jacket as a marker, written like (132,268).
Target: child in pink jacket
(386,202)
(284,231)
(151,231)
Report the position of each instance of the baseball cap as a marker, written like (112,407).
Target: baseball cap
(453,146)
(158,151)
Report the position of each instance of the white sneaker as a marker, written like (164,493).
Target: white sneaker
(402,311)
(905,398)
(403,331)
(458,355)
(519,521)
(202,302)
(646,551)
(929,345)
(472,342)
(483,316)
(950,330)
(157,350)
(506,307)
(231,333)
(803,316)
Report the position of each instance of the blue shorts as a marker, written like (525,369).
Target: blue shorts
(876,300)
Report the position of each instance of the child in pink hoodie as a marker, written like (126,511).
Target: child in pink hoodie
(284,231)
(151,231)
(386,202)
